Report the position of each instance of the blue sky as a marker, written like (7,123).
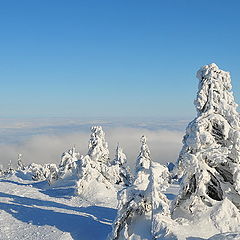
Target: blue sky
(112,59)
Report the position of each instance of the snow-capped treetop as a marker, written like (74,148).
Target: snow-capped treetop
(98,147)
(144,159)
(120,157)
(69,157)
(19,162)
(215,95)
(143,164)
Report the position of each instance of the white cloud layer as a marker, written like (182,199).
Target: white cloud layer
(47,148)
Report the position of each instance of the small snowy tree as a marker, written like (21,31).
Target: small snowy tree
(19,162)
(120,157)
(142,165)
(98,147)
(68,162)
(159,182)
(94,170)
(10,169)
(53,173)
(209,160)
(1,170)
(134,202)
(37,171)
(143,202)
(92,184)
(118,171)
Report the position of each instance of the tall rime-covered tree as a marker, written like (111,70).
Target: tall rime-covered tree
(209,160)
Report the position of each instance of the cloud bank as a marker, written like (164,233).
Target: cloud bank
(45,143)
(164,145)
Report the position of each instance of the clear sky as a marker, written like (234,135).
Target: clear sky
(128,58)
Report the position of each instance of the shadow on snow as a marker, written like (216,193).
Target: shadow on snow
(86,223)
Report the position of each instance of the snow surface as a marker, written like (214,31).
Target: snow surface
(34,211)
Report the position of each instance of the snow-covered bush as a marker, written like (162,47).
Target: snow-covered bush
(41,172)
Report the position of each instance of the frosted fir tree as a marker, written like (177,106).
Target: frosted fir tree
(36,171)
(99,154)
(68,162)
(209,160)
(53,173)
(94,170)
(10,169)
(41,172)
(20,165)
(118,171)
(143,205)
(92,184)
(161,216)
(1,170)
(133,202)
(142,165)
(120,157)
(98,147)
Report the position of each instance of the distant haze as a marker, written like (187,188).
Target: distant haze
(45,141)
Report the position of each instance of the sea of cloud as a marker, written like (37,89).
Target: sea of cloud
(44,141)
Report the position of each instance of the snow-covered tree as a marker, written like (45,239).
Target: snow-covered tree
(91,183)
(133,201)
(143,201)
(53,173)
(94,170)
(42,172)
(1,170)
(161,217)
(37,171)
(20,165)
(209,160)
(118,171)
(142,165)
(68,162)
(98,147)
(120,157)
(10,169)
